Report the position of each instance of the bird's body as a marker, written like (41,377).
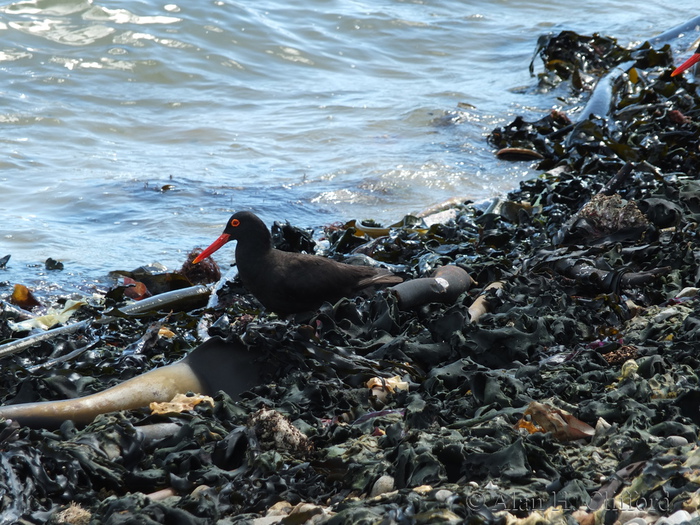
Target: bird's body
(287,282)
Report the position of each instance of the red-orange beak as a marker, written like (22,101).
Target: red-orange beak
(694,59)
(218,243)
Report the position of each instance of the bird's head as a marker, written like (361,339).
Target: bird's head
(243,224)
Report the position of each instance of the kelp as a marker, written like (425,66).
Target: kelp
(593,316)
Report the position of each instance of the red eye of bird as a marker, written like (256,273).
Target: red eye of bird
(235,222)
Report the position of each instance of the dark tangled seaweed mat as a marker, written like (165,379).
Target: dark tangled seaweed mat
(558,329)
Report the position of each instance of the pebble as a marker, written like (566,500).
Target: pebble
(675,441)
(601,426)
(633,521)
(383,485)
(676,518)
(688,292)
(443,495)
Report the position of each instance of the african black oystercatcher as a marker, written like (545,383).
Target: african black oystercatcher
(287,282)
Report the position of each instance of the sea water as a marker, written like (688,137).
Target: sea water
(130,130)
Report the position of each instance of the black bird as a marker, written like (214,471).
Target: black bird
(287,282)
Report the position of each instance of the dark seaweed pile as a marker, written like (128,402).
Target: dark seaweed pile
(584,291)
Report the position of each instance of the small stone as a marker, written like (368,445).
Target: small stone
(383,485)
(602,426)
(688,292)
(676,441)
(632,521)
(680,516)
(443,495)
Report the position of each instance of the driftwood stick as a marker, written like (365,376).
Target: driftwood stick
(618,180)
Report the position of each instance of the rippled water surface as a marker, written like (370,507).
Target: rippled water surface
(131,130)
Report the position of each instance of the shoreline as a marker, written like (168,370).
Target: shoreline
(570,328)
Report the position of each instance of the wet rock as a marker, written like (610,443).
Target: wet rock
(276,432)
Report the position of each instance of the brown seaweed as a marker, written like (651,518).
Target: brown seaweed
(563,323)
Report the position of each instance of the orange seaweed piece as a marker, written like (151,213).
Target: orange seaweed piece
(135,290)
(23,297)
(528,425)
(562,425)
